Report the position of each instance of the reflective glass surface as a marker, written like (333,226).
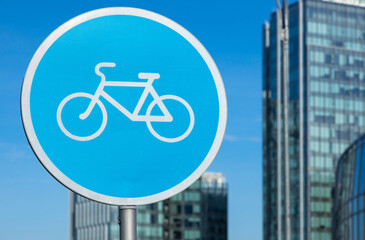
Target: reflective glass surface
(326,112)
(349,194)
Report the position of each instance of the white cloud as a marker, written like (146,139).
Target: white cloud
(12,152)
(233,138)
(258,120)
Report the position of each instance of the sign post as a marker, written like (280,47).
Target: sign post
(125,107)
(128,222)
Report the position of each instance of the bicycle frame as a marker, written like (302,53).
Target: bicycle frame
(148,89)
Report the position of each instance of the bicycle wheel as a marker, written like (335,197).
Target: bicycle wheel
(186,105)
(73,136)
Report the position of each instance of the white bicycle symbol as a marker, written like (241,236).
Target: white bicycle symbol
(135,116)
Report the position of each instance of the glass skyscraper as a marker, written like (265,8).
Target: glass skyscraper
(311,118)
(349,194)
(198,213)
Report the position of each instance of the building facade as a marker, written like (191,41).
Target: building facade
(311,116)
(348,220)
(351,2)
(198,213)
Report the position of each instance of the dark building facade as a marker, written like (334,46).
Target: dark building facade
(313,116)
(198,213)
(349,194)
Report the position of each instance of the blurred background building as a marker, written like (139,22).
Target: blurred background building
(351,2)
(313,108)
(198,213)
(349,194)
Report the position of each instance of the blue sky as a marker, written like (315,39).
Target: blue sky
(35,206)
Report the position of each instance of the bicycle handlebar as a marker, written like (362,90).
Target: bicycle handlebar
(103,64)
(100,65)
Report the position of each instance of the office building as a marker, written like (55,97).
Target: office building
(214,207)
(313,96)
(348,220)
(351,2)
(198,213)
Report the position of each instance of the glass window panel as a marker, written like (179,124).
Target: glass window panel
(196,208)
(192,196)
(361,224)
(357,168)
(362,172)
(177,197)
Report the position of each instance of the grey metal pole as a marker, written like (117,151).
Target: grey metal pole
(283,77)
(285,45)
(285,41)
(278,123)
(128,222)
(301,128)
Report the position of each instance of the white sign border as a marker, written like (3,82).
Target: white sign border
(63,179)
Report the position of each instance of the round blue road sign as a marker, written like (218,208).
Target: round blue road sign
(124,106)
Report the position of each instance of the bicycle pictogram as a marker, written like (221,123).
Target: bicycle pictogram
(133,116)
